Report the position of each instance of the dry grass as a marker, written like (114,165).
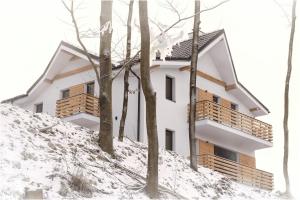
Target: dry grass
(81,184)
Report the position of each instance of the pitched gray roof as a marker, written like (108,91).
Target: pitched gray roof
(183,50)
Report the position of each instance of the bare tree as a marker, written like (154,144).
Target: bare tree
(126,74)
(105,94)
(150,98)
(178,21)
(286,102)
(103,71)
(193,87)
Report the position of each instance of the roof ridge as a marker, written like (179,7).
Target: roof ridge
(183,49)
(204,34)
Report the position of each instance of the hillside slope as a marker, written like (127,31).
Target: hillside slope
(38,151)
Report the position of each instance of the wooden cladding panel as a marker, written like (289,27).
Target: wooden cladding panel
(238,172)
(227,114)
(76,90)
(247,160)
(206,148)
(225,103)
(204,95)
(81,103)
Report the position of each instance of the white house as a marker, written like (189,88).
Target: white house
(226,127)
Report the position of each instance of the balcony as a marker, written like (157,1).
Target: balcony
(237,172)
(81,109)
(222,125)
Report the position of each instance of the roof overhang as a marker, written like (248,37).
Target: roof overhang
(63,54)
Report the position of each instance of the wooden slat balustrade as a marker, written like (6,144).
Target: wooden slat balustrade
(226,116)
(81,103)
(237,172)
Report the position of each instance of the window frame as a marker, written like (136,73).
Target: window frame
(234,105)
(172,137)
(36,107)
(63,91)
(236,154)
(87,85)
(218,99)
(173,95)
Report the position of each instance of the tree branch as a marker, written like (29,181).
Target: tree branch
(71,11)
(167,29)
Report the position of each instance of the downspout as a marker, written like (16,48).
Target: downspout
(139,104)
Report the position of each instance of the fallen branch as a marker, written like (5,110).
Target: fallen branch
(44,130)
(161,187)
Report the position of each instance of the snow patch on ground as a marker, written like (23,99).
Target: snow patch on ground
(65,161)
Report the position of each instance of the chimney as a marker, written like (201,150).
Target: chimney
(191,34)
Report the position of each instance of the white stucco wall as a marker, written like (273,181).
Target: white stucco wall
(50,93)
(171,115)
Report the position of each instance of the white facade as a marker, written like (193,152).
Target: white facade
(172,115)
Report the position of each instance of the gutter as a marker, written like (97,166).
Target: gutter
(139,105)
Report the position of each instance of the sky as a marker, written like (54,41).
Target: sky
(257,32)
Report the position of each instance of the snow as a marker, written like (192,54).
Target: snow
(38,151)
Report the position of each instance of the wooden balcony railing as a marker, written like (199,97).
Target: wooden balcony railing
(81,103)
(237,172)
(226,116)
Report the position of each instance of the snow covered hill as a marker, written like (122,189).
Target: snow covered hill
(42,153)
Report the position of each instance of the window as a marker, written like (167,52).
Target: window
(233,106)
(65,93)
(216,99)
(225,153)
(170,94)
(169,140)
(233,115)
(90,88)
(39,108)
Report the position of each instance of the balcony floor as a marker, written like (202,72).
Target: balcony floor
(229,137)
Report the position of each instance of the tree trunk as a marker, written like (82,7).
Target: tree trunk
(150,98)
(286,102)
(105,94)
(126,75)
(193,87)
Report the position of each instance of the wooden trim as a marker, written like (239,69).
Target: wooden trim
(185,68)
(246,160)
(74,57)
(205,76)
(73,72)
(67,52)
(230,87)
(254,109)
(154,67)
(48,80)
